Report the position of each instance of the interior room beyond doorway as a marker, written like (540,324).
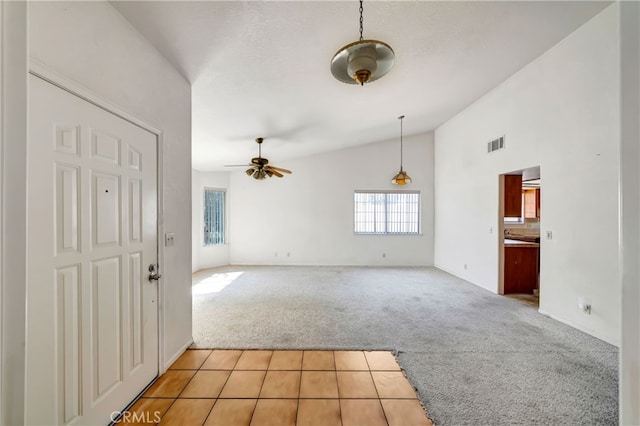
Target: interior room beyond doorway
(520,247)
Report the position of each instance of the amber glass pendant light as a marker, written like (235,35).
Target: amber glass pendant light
(401,178)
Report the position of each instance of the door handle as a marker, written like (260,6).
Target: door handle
(154,275)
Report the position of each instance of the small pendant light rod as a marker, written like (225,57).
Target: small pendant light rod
(401,178)
(401,118)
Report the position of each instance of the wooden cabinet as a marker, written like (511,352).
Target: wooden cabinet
(520,269)
(531,203)
(512,196)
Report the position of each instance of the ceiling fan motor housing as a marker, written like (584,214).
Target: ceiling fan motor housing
(260,169)
(259,161)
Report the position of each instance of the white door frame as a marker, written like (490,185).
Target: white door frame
(40,70)
(2,138)
(629,231)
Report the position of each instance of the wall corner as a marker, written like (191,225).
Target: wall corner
(13,160)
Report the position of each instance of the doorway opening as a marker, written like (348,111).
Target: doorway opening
(519,249)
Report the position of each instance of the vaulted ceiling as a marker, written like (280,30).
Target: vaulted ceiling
(261,68)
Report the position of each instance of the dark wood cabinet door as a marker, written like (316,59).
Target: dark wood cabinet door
(520,269)
(512,195)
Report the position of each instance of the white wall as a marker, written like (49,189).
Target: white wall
(91,44)
(195,222)
(210,256)
(13,136)
(560,112)
(307,218)
(630,220)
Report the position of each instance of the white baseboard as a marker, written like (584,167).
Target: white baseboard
(562,320)
(578,327)
(455,274)
(176,355)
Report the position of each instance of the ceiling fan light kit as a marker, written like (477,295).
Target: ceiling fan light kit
(362,61)
(401,178)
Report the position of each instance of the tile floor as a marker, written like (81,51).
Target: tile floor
(257,387)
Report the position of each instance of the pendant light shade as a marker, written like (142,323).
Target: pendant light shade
(401,178)
(362,61)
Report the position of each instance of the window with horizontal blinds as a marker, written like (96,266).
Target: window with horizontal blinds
(386,212)
(213,217)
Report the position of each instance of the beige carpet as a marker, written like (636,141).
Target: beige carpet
(474,357)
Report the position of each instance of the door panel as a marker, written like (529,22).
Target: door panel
(92,314)
(68,340)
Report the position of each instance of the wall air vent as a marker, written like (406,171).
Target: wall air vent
(495,144)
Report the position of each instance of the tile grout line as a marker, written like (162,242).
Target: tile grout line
(335,371)
(376,388)
(185,386)
(221,388)
(264,379)
(299,387)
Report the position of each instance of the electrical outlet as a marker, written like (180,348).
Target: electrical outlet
(384,255)
(288,254)
(168,239)
(465,266)
(585,305)
(549,235)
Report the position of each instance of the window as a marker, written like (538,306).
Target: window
(386,212)
(213,217)
(529,207)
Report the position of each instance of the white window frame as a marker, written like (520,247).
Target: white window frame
(387,221)
(204,219)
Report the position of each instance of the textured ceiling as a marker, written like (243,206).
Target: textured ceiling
(261,68)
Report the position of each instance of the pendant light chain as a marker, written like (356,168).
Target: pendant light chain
(361,20)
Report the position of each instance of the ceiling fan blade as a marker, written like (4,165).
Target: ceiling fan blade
(275,172)
(279,169)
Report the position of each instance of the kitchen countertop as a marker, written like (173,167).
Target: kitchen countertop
(532,238)
(516,243)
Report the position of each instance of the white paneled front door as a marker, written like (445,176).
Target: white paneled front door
(92,313)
